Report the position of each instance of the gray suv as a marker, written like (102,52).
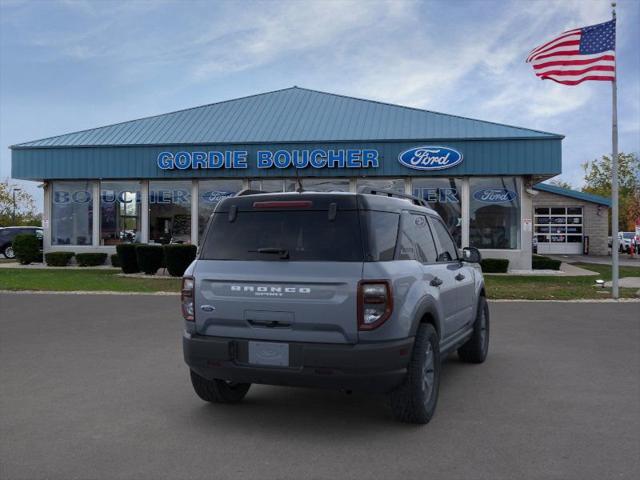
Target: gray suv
(363,292)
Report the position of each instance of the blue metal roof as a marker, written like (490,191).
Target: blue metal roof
(565,192)
(292,115)
(540,157)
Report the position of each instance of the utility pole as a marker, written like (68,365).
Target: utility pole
(14,203)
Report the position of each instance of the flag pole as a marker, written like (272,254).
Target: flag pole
(614,177)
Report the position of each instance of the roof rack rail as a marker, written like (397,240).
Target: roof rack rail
(389,193)
(248,191)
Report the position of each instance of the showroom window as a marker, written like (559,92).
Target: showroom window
(444,196)
(170,212)
(494,213)
(210,192)
(72,213)
(272,185)
(392,184)
(320,185)
(119,212)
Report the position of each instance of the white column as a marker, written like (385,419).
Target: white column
(526,237)
(46,216)
(352,185)
(95,237)
(144,211)
(464,207)
(194,211)
(408,186)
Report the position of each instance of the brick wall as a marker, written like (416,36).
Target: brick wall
(595,226)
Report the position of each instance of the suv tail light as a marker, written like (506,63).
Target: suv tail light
(375,303)
(186,298)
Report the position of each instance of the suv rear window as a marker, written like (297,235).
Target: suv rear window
(292,235)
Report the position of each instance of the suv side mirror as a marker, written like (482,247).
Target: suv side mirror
(471,255)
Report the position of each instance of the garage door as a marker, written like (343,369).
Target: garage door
(558,229)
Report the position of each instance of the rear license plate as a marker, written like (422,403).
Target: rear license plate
(269,353)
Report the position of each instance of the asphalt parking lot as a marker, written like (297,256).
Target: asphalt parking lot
(94,387)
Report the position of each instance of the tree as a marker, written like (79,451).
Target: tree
(25,207)
(597,179)
(558,182)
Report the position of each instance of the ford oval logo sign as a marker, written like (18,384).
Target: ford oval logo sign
(495,195)
(430,158)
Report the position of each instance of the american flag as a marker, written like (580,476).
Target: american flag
(587,53)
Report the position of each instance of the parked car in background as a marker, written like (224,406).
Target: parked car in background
(625,240)
(7,234)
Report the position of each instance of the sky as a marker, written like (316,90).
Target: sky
(72,65)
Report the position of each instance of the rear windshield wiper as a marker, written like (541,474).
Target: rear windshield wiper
(283,252)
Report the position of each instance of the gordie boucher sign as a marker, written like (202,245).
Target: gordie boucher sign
(417,158)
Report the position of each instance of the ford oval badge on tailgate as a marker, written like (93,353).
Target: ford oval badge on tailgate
(430,158)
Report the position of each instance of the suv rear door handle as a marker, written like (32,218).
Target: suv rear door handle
(459,277)
(436,282)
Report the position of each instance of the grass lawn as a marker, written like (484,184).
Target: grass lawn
(557,288)
(85,280)
(498,287)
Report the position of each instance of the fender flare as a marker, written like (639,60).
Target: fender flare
(427,307)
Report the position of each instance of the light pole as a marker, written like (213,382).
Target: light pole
(14,203)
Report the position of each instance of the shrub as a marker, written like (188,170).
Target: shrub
(115,260)
(149,258)
(178,257)
(58,259)
(27,248)
(127,257)
(545,263)
(494,265)
(90,259)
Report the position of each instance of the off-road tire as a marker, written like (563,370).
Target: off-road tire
(475,350)
(218,391)
(414,401)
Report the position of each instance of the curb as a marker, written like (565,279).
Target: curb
(499,300)
(80,292)
(575,300)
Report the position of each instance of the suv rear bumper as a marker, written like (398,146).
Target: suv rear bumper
(371,367)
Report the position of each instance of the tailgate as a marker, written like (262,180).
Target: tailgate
(280,301)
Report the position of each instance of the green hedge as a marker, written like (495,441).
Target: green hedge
(545,263)
(27,248)
(149,258)
(494,265)
(58,259)
(115,260)
(90,259)
(178,257)
(127,257)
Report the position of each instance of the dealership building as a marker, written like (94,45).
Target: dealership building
(158,179)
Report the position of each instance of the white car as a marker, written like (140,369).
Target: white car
(625,239)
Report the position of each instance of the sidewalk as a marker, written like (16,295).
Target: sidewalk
(566,270)
(624,259)
(44,266)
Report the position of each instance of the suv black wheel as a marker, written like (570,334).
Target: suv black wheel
(218,391)
(415,400)
(8,252)
(477,347)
